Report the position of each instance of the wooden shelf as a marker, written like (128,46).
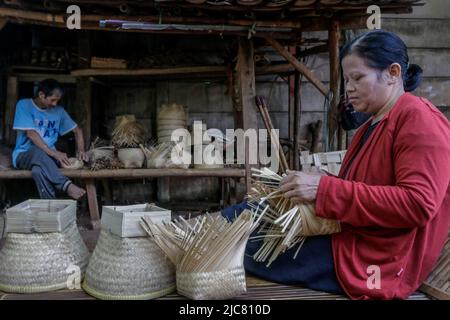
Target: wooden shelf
(132,173)
(150,72)
(217,71)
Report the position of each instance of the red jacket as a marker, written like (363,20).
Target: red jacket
(394,205)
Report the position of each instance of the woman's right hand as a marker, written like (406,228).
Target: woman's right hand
(61,157)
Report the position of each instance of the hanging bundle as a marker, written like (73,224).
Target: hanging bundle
(127,133)
(208,253)
(285,224)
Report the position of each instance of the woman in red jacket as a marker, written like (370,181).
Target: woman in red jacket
(392,195)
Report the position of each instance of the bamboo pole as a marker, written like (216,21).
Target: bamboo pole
(298,65)
(261,103)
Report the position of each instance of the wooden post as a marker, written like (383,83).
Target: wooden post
(291,114)
(84,108)
(297,119)
(333,43)
(12,95)
(92,203)
(84,87)
(246,94)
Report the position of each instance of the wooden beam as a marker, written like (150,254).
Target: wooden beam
(12,95)
(246,93)
(333,124)
(84,108)
(297,119)
(32,77)
(214,71)
(84,88)
(298,65)
(149,72)
(91,193)
(291,113)
(60,18)
(131,173)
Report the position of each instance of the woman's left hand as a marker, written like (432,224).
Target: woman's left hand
(300,187)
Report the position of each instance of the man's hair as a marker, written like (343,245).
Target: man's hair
(48,87)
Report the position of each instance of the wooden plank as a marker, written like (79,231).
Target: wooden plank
(298,65)
(149,72)
(132,173)
(291,112)
(92,203)
(32,77)
(297,120)
(333,48)
(12,95)
(246,93)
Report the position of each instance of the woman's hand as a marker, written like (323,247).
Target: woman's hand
(301,187)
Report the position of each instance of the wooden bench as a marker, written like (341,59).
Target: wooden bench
(89,177)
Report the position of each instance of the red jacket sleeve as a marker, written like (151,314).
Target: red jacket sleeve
(422,172)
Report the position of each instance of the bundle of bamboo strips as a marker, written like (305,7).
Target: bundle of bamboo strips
(285,224)
(127,132)
(163,155)
(208,253)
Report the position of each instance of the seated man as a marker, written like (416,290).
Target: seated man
(39,122)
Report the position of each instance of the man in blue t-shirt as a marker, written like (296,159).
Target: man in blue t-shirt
(39,122)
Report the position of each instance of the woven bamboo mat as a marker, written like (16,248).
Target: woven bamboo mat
(257,289)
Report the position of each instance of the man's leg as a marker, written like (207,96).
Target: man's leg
(47,175)
(45,188)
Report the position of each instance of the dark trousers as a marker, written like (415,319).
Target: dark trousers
(313,267)
(45,172)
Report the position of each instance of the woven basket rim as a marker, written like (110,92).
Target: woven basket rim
(104,296)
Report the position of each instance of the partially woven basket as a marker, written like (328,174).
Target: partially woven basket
(208,253)
(75,164)
(223,284)
(128,269)
(39,262)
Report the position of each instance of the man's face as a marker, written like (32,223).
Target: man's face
(50,101)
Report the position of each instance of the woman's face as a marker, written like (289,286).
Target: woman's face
(367,88)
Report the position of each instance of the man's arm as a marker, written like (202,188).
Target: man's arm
(37,140)
(79,138)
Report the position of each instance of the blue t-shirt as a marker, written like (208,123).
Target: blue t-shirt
(49,123)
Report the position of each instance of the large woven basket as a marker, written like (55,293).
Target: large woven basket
(128,269)
(39,262)
(223,284)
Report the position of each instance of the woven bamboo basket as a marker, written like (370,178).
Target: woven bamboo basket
(128,269)
(75,164)
(222,284)
(131,157)
(39,262)
(208,253)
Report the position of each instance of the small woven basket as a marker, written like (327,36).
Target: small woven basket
(223,284)
(40,262)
